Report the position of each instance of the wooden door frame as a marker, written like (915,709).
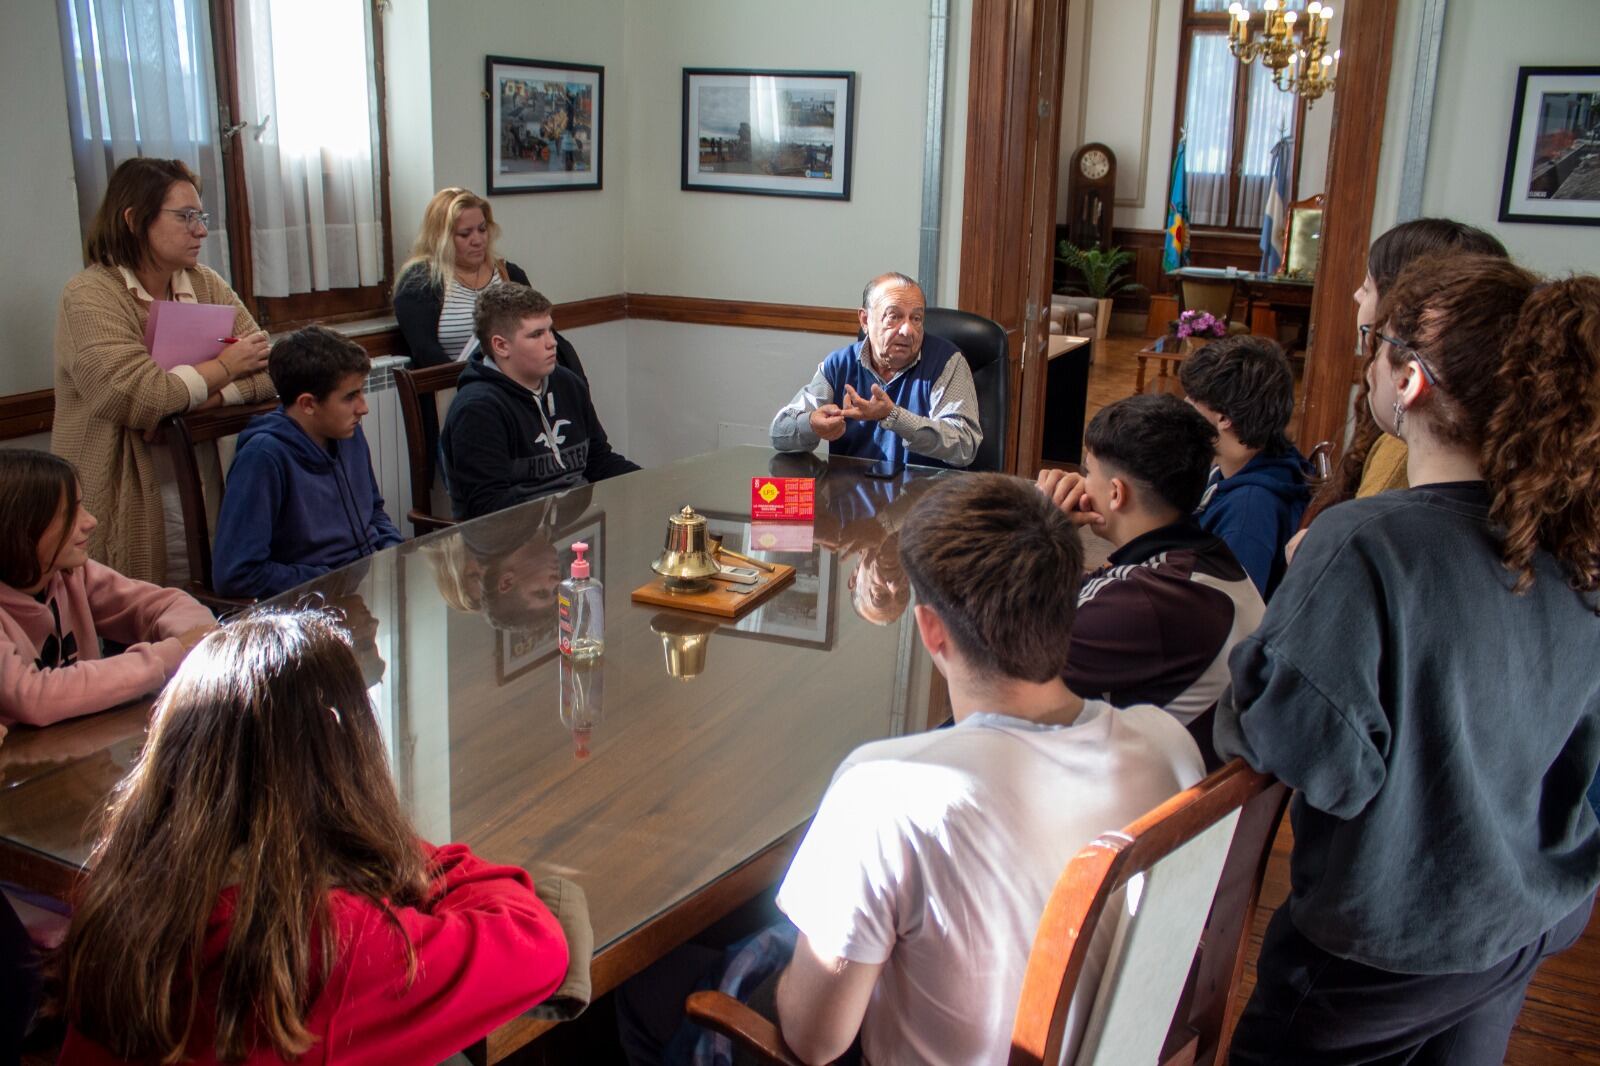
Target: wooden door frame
(1009,207)
(1367,46)
(1009,202)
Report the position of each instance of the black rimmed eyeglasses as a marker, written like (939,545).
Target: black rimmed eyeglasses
(1369,333)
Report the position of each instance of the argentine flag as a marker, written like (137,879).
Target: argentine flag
(1276,209)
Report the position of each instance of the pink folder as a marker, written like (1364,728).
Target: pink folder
(183,334)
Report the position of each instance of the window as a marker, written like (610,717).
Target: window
(1233,116)
(292,165)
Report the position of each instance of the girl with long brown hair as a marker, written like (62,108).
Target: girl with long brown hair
(1424,680)
(257,894)
(56,604)
(1375,461)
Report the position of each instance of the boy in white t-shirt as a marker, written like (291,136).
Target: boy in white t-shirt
(920,884)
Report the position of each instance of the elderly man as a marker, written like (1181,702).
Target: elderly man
(895,395)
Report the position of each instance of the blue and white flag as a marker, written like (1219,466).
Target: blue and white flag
(1276,209)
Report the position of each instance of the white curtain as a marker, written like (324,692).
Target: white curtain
(306,87)
(1271,118)
(140,83)
(1208,125)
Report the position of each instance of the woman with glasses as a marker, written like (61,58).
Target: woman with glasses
(1424,680)
(1376,461)
(143,246)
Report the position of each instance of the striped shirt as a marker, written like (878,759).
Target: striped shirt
(455,316)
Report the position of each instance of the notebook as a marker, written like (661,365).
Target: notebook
(183,334)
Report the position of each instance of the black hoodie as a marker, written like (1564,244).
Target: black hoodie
(504,444)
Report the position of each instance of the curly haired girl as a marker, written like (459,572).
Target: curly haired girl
(1424,679)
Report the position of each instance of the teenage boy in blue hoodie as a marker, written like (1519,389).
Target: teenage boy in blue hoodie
(301,499)
(1257,490)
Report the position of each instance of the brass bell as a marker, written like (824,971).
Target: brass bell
(683,643)
(685,564)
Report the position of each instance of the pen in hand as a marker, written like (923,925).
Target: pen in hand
(227,340)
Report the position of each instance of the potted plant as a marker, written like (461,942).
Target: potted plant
(1103,277)
(1197,327)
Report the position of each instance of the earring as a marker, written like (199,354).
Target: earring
(1399,418)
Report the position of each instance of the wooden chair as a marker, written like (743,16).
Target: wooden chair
(1216,296)
(1199,860)
(182,434)
(413,387)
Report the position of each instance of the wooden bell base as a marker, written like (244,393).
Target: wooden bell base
(719,599)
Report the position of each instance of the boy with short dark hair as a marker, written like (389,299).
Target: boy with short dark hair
(1155,624)
(301,498)
(521,426)
(920,882)
(1257,490)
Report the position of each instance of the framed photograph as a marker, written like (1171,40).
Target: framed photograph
(525,647)
(800,613)
(544,131)
(1553,161)
(769,132)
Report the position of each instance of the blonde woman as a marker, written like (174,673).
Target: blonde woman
(452,262)
(143,246)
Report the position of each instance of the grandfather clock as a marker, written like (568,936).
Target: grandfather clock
(1091,186)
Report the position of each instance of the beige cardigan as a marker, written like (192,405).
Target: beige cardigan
(108,392)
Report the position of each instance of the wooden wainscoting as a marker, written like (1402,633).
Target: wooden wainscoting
(22,414)
(1208,248)
(26,413)
(747,313)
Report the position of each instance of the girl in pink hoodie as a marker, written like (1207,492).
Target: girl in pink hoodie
(56,605)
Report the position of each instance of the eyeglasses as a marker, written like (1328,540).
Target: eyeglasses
(1370,332)
(191,218)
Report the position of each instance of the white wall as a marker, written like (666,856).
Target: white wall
(604,350)
(570,243)
(683,380)
(772,248)
(1484,44)
(39,223)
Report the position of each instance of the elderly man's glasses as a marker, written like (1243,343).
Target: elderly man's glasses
(191,218)
(1371,337)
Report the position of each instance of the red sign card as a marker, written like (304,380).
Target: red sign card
(782,499)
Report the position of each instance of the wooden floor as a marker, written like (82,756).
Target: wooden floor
(1559,1023)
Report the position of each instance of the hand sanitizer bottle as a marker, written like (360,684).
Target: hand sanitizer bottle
(581,601)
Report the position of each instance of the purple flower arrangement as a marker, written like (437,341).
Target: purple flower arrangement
(1201,324)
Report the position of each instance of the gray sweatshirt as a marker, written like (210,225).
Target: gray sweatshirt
(1439,729)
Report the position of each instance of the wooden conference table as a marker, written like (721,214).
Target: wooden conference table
(692,793)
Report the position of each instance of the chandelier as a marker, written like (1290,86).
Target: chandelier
(1299,63)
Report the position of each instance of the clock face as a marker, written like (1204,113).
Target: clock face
(1094,165)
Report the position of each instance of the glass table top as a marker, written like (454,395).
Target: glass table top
(642,786)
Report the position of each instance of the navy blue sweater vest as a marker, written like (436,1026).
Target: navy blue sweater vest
(912,390)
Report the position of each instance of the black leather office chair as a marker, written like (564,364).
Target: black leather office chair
(983,342)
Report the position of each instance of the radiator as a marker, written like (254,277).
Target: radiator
(386,437)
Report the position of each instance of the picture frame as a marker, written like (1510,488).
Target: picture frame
(544,125)
(519,651)
(1552,172)
(769,132)
(804,612)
